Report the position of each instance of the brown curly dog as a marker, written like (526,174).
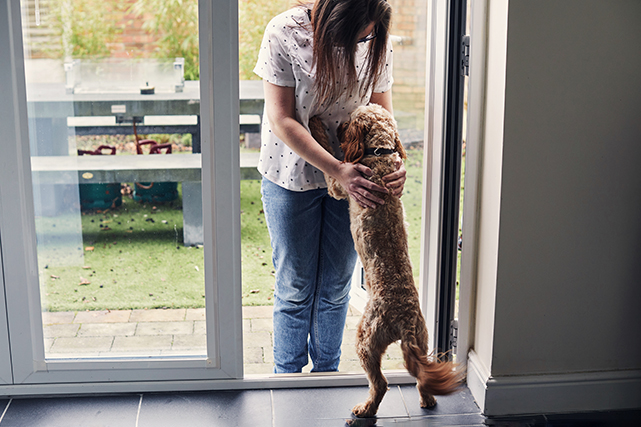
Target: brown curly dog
(392,312)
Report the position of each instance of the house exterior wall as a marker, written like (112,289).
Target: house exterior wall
(558,308)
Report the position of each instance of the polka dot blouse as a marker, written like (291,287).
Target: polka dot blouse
(285,59)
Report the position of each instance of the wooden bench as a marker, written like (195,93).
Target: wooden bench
(184,168)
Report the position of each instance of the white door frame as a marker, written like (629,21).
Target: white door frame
(6,376)
(7,114)
(219,113)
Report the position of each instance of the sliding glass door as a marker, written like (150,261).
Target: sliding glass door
(124,270)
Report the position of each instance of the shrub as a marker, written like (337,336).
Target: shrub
(175,23)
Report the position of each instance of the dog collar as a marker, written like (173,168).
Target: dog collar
(378,151)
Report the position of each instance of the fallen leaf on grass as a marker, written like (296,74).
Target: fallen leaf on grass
(84,281)
(54,277)
(254,291)
(89,248)
(86,267)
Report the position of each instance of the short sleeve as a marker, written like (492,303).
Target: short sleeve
(273,63)
(386,80)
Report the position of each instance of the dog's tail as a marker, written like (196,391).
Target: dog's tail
(433,376)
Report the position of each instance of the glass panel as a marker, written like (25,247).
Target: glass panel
(113,103)
(408,31)
(257,267)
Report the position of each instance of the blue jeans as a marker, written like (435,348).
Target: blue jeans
(314,258)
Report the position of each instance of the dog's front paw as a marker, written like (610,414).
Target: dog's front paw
(335,189)
(364,410)
(428,401)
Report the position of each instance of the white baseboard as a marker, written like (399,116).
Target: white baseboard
(553,393)
(477,377)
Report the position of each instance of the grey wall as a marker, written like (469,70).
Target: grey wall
(568,290)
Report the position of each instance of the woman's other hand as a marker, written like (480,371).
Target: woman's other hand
(395,181)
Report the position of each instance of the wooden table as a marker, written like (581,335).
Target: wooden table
(50,107)
(51,100)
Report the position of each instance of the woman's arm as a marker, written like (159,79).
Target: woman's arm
(384,99)
(396,180)
(280,104)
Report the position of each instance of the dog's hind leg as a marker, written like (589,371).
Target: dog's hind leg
(427,400)
(370,352)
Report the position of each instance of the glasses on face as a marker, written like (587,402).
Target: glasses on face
(368,38)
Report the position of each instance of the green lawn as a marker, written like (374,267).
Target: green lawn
(134,257)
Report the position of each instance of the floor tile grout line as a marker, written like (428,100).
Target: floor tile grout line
(6,408)
(139,408)
(271,397)
(407,411)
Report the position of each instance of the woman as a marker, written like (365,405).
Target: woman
(323,60)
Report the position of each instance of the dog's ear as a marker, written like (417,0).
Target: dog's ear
(340,131)
(354,141)
(399,146)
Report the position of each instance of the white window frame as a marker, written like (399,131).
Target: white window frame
(32,372)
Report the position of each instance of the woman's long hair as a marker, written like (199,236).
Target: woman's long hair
(336,25)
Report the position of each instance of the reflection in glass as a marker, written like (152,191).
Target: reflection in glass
(115,152)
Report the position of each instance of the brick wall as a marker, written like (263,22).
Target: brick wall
(409,23)
(132,41)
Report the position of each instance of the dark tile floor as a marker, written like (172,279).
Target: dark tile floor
(278,408)
(273,408)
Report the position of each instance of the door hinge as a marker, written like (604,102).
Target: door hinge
(454,335)
(465,55)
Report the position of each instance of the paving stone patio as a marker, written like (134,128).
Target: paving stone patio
(178,332)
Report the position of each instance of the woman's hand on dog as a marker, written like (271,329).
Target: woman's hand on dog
(395,181)
(350,177)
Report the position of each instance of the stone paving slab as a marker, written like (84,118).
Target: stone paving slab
(253,355)
(165,328)
(158,315)
(200,328)
(257,339)
(49,318)
(195,314)
(59,331)
(150,342)
(264,311)
(106,316)
(261,324)
(81,345)
(190,342)
(106,329)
